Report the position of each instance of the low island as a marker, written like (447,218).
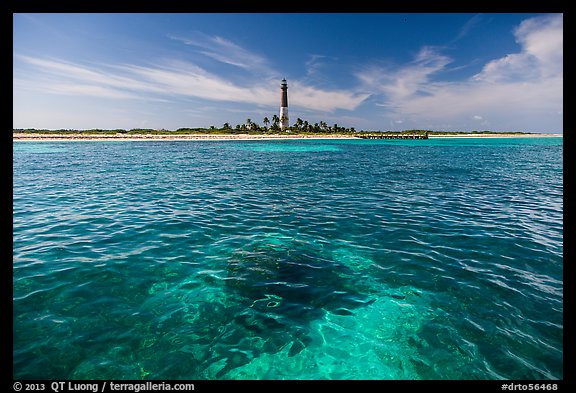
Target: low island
(252,131)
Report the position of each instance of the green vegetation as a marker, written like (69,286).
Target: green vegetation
(300,127)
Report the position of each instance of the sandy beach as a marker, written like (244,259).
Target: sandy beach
(496,136)
(191,137)
(216,137)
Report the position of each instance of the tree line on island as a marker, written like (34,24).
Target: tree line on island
(300,126)
(251,127)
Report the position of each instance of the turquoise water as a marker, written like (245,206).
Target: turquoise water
(314,259)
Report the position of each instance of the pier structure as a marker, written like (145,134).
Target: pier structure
(381,135)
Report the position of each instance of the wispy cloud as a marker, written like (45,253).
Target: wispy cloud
(59,76)
(326,100)
(184,79)
(314,64)
(317,68)
(169,79)
(526,85)
(468,26)
(407,81)
(226,51)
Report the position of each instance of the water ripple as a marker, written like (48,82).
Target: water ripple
(283,260)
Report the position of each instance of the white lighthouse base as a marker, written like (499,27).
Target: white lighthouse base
(284,122)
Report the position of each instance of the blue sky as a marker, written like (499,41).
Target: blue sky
(453,72)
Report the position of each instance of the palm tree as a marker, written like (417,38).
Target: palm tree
(248,123)
(275,119)
(266,121)
(299,123)
(226,126)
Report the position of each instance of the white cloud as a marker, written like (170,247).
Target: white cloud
(541,56)
(314,64)
(225,51)
(189,80)
(516,90)
(325,100)
(168,80)
(468,26)
(543,38)
(58,76)
(407,81)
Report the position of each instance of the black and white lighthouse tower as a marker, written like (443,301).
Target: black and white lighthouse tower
(284,124)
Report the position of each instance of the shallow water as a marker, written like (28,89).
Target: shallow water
(312,259)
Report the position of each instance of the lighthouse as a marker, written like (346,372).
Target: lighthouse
(284,105)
